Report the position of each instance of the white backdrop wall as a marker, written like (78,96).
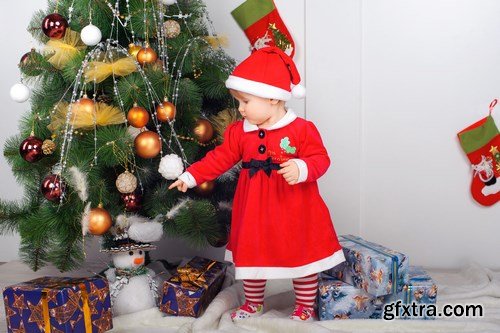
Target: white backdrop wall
(390,83)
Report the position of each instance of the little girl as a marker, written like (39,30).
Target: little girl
(280,228)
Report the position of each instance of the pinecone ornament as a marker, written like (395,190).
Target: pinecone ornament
(48,147)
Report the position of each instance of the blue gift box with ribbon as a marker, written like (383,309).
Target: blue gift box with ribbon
(421,290)
(340,300)
(374,268)
(58,304)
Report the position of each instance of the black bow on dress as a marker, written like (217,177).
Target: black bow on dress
(266,165)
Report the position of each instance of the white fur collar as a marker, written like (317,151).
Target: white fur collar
(287,119)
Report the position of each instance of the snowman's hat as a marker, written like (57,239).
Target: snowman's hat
(132,233)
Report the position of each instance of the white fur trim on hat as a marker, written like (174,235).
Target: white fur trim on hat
(299,91)
(257,88)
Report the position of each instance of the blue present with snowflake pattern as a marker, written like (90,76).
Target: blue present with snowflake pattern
(374,268)
(58,304)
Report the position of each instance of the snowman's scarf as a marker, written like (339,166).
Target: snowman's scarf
(123,276)
(129,272)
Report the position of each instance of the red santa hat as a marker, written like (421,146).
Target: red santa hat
(269,73)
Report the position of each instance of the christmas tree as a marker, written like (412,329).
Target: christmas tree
(127,93)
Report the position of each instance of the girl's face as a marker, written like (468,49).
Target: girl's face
(256,110)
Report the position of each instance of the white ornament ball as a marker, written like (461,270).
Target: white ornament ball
(126,182)
(168,2)
(171,166)
(91,35)
(20,93)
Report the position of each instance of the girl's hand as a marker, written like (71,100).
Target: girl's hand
(181,186)
(290,172)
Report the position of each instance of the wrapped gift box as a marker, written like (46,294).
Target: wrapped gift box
(420,290)
(193,287)
(372,267)
(58,304)
(340,300)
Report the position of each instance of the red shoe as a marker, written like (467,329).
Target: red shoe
(247,310)
(303,313)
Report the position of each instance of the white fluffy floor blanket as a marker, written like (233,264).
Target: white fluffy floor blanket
(470,285)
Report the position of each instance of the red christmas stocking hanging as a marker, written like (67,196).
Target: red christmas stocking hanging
(481,142)
(263,26)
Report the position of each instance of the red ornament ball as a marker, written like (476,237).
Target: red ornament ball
(132,201)
(31,149)
(25,59)
(53,187)
(54,26)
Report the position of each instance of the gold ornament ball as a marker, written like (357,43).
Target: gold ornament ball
(203,130)
(48,147)
(165,111)
(147,144)
(205,188)
(134,49)
(146,55)
(172,28)
(138,116)
(99,221)
(85,105)
(126,182)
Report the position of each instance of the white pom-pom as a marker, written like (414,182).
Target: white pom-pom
(171,166)
(122,222)
(20,93)
(91,35)
(299,91)
(168,2)
(146,232)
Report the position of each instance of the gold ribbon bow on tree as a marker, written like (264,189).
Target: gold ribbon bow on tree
(100,70)
(102,115)
(192,277)
(63,50)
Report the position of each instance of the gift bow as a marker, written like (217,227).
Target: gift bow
(100,71)
(189,276)
(266,165)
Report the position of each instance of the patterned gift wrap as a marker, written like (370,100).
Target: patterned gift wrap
(372,267)
(58,305)
(340,300)
(420,290)
(195,285)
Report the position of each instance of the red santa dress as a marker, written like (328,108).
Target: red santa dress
(277,230)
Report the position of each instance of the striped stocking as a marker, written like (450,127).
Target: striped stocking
(306,289)
(254,290)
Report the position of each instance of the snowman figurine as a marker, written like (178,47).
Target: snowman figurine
(132,285)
